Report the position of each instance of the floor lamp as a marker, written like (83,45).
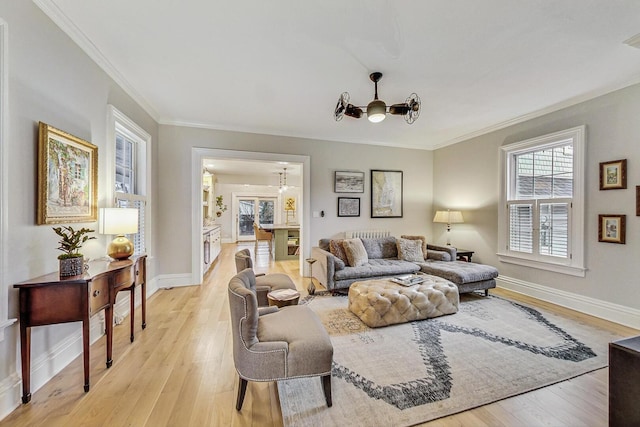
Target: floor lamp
(448,217)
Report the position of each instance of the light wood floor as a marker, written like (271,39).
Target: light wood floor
(179,372)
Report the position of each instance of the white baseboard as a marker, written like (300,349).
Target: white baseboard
(605,310)
(10,394)
(174,280)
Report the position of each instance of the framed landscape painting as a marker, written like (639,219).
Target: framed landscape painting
(67,177)
(613,175)
(349,182)
(612,228)
(348,206)
(386,194)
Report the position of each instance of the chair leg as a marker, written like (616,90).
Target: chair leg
(242,389)
(326,385)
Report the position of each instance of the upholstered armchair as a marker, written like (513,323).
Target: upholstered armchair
(262,235)
(271,344)
(265,283)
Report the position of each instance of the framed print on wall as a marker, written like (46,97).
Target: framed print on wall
(613,175)
(349,182)
(386,194)
(67,177)
(612,228)
(348,206)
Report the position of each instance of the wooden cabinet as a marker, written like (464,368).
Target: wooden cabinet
(211,246)
(624,382)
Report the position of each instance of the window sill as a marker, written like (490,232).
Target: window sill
(541,265)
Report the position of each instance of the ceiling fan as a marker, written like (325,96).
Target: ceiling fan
(377,109)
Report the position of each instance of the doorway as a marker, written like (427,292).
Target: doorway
(198,155)
(253,209)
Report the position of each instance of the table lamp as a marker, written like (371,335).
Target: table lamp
(448,217)
(119,221)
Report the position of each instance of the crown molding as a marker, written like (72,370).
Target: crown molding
(69,28)
(543,111)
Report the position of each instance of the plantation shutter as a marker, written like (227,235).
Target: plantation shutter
(521,227)
(138,238)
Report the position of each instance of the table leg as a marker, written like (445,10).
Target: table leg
(133,308)
(144,303)
(85,352)
(108,316)
(25,356)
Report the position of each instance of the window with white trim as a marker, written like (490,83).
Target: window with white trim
(542,224)
(130,172)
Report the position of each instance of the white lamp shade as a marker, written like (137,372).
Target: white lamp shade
(118,221)
(448,217)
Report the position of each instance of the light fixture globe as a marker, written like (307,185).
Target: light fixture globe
(376,111)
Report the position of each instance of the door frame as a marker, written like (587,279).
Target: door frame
(199,154)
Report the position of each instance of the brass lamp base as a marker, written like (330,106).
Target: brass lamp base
(120,248)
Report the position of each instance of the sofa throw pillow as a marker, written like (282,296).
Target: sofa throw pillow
(421,238)
(336,249)
(410,250)
(356,254)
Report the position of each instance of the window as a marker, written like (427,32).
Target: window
(131,145)
(542,224)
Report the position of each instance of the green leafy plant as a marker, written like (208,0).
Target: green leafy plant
(72,240)
(220,204)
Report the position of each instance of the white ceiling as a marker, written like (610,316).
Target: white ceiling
(278,67)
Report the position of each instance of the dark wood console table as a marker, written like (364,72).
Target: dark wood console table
(48,300)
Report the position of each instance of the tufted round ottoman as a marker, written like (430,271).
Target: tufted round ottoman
(381,302)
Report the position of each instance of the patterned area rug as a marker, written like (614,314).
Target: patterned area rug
(415,372)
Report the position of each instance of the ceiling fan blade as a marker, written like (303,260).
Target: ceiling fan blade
(341,106)
(399,109)
(413,112)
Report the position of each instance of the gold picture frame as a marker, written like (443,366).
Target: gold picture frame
(613,175)
(612,228)
(67,177)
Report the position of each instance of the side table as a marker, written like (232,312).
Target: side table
(464,254)
(283,297)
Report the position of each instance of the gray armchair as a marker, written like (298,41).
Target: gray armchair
(271,344)
(265,283)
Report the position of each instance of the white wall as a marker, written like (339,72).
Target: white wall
(466,176)
(51,80)
(175,146)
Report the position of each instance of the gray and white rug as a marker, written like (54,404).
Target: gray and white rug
(419,371)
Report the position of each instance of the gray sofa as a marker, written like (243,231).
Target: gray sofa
(334,274)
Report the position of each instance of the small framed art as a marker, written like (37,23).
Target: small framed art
(349,182)
(613,175)
(67,178)
(348,206)
(612,228)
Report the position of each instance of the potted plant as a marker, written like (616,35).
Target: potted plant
(71,261)
(221,206)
